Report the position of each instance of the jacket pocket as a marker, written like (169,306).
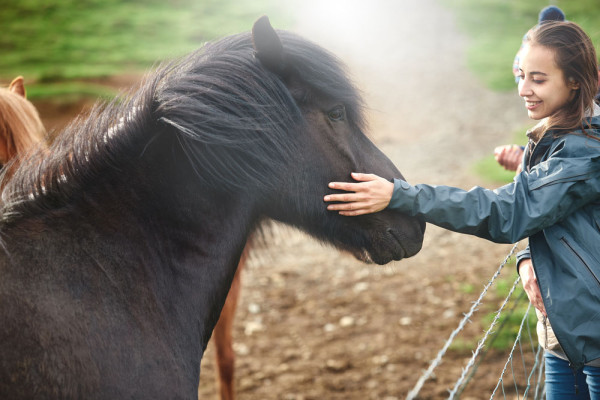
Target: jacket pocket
(581,260)
(553,180)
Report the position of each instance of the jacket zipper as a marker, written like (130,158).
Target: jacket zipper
(573,368)
(564,240)
(531,145)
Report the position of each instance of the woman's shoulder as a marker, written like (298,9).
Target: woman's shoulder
(579,143)
(590,130)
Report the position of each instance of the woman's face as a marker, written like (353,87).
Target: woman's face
(543,85)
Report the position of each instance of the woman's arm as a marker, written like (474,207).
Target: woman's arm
(553,189)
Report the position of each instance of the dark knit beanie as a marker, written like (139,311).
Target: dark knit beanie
(551,13)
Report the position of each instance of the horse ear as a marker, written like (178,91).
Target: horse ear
(17,86)
(267,46)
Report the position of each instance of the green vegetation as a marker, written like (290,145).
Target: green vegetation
(488,169)
(495,29)
(467,288)
(514,311)
(506,328)
(68,91)
(64,40)
(510,320)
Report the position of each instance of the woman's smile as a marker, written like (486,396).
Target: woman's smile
(531,105)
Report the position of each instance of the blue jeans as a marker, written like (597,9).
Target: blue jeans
(560,381)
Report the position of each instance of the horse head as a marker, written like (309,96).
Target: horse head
(330,143)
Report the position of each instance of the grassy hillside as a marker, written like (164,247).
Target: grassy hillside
(65,40)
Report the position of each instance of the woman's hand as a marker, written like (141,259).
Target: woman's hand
(509,156)
(371,194)
(530,284)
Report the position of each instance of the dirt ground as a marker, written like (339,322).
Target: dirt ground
(314,323)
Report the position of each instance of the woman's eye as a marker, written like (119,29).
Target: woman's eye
(337,114)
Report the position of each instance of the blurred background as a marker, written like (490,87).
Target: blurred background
(314,323)
(63,47)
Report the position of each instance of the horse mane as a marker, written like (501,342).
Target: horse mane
(233,119)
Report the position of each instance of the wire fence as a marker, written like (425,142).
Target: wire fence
(521,377)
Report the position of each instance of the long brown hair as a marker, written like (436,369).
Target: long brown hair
(575,55)
(20,124)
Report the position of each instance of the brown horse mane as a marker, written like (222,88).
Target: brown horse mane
(20,123)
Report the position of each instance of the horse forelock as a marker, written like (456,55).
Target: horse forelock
(238,120)
(234,118)
(235,121)
(324,73)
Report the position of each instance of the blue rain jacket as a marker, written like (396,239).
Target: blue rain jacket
(555,202)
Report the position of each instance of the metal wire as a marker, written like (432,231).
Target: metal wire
(510,356)
(434,364)
(482,342)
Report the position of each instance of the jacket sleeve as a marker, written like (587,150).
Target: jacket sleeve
(522,255)
(567,180)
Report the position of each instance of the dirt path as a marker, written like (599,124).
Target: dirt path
(316,324)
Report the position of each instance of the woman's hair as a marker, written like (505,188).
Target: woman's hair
(20,124)
(575,55)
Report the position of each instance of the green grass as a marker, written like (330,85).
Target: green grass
(503,335)
(69,91)
(514,311)
(495,29)
(64,40)
(488,169)
(492,172)
(509,322)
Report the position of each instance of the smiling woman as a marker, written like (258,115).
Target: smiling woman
(555,83)
(554,201)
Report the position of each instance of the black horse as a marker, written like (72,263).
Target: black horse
(119,243)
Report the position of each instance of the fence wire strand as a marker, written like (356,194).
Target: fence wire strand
(492,340)
(435,363)
(481,343)
(510,356)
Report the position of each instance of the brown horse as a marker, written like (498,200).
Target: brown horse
(20,124)
(223,334)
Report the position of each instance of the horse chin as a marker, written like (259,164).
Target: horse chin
(363,255)
(369,257)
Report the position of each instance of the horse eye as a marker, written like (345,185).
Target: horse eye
(337,114)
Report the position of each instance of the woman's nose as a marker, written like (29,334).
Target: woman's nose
(524,88)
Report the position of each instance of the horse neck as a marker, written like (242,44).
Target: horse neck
(157,236)
(193,236)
